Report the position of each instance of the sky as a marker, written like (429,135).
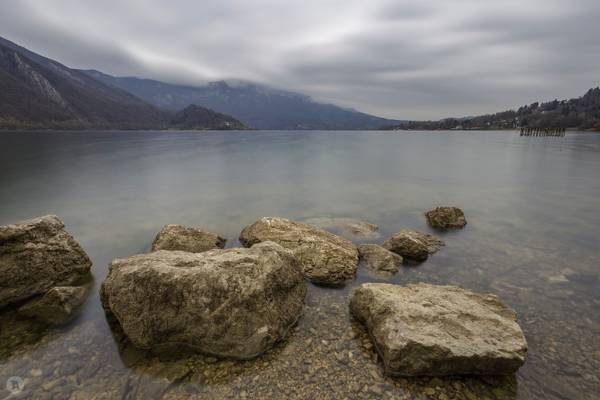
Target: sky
(425,59)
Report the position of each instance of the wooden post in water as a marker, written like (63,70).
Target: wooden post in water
(543,132)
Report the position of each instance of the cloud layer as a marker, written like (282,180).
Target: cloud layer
(395,58)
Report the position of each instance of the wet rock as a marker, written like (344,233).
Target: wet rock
(325,258)
(413,244)
(36,255)
(437,330)
(379,259)
(57,306)
(446,217)
(184,238)
(350,228)
(228,303)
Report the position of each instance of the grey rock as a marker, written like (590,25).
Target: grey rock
(350,228)
(229,303)
(446,217)
(413,244)
(437,330)
(325,258)
(379,259)
(184,238)
(57,306)
(36,255)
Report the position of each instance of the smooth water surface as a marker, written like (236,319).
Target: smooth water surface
(533,206)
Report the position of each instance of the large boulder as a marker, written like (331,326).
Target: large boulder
(185,238)
(57,306)
(446,217)
(229,303)
(379,259)
(325,258)
(413,244)
(350,228)
(36,255)
(433,330)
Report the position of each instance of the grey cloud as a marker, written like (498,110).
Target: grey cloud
(395,58)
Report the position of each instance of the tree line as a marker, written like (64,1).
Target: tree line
(579,113)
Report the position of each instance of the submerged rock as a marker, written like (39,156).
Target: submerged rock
(351,229)
(36,255)
(184,238)
(325,258)
(379,259)
(57,306)
(434,330)
(229,303)
(446,217)
(413,244)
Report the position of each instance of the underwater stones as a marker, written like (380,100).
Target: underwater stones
(57,306)
(379,259)
(229,303)
(325,258)
(433,330)
(36,255)
(184,238)
(446,217)
(413,244)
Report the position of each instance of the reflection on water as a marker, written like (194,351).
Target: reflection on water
(532,239)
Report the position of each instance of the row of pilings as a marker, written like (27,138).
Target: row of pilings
(554,132)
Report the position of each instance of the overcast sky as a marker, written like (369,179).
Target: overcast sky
(394,58)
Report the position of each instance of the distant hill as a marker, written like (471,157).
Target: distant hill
(579,113)
(257,106)
(195,117)
(37,92)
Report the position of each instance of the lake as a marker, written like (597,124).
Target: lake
(533,206)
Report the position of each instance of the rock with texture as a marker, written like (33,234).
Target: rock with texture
(351,229)
(325,258)
(36,255)
(379,259)
(446,217)
(184,238)
(413,244)
(229,303)
(57,306)
(437,330)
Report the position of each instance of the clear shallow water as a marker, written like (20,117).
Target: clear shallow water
(532,238)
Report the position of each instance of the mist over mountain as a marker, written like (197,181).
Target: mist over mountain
(39,92)
(257,106)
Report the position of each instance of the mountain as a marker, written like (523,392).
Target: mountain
(579,113)
(36,92)
(257,106)
(196,118)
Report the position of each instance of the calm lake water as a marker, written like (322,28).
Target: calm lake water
(533,206)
